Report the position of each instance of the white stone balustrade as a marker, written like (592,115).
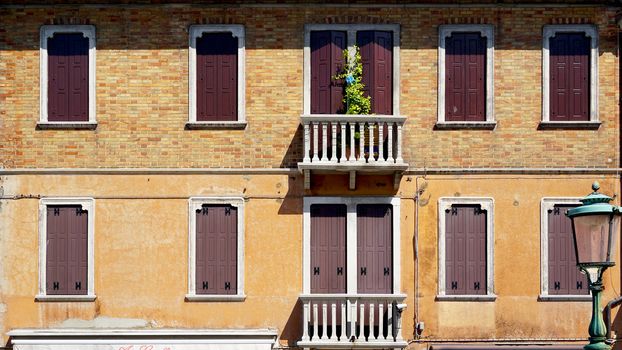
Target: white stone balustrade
(349,321)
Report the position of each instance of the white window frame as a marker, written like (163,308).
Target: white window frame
(196,31)
(487,204)
(351,29)
(486,31)
(194,204)
(87,204)
(351,239)
(546,204)
(46,32)
(550,31)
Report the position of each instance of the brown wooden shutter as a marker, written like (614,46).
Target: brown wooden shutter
(564,276)
(374,248)
(68,77)
(327,61)
(377,60)
(569,77)
(216,249)
(217,77)
(465,250)
(67,250)
(465,77)
(328,248)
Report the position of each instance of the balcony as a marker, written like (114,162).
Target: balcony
(352,321)
(351,144)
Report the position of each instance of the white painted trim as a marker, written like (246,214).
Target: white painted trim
(546,204)
(486,204)
(87,204)
(194,204)
(549,31)
(485,30)
(196,31)
(46,32)
(351,29)
(351,237)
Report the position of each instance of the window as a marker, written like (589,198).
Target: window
(351,245)
(66,260)
(67,82)
(217,77)
(465,75)
(570,75)
(323,59)
(560,277)
(216,243)
(465,244)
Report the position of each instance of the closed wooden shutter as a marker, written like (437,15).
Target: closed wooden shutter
(465,77)
(326,62)
(217,77)
(377,60)
(216,249)
(68,77)
(465,250)
(564,276)
(66,251)
(374,248)
(328,248)
(569,77)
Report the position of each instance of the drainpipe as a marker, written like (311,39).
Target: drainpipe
(607,316)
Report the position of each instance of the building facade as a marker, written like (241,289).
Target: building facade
(181,175)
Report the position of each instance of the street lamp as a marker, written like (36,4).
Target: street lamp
(595,226)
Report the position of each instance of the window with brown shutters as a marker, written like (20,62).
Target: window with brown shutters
(465,250)
(374,248)
(68,78)
(564,278)
(465,77)
(66,250)
(326,61)
(328,248)
(217,77)
(377,60)
(569,69)
(216,249)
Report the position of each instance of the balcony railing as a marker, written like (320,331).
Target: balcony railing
(348,321)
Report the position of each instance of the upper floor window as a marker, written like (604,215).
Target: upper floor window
(67,81)
(216,81)
(465,75)
(570,74)
(324,58)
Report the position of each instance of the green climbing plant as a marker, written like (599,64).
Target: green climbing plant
(355,100)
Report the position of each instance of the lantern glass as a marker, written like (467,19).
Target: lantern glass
(594,238)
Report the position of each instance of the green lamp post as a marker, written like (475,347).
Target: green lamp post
(595,226)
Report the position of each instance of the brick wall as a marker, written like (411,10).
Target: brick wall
(142,93)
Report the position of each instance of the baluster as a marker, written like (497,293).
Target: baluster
(343,142)
(399,144)
(381,141)
(390,321)
(390,143)
(362,322)
(381,320)
(352,144)
(398,325)
(362,142)
(324,142)
(371,321)
(352,311)
(315,321)
(315,145)
(324,323)
(371,158)
(333,335)
(343,336)
(333,156)
(305,321)
(307,144)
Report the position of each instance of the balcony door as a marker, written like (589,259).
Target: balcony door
(374,248)
(328,249)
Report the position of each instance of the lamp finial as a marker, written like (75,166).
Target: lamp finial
(595,186)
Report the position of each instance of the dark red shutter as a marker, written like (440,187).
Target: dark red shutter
(465,250)
(326,62)
(216,249)
(569,77)
(68,77)
(217,77)
(374,248)
(328,248)
(564,276)
(377,60)
(465,77)
(66,251)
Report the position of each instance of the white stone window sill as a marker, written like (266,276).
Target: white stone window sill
(67,125)
(591,125)
(213,297)
(543,297)
(488,297)
(44,297)
(215,125)
(466,125)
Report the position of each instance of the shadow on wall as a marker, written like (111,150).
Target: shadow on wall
(291,204)
(292,332)
(294,153)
